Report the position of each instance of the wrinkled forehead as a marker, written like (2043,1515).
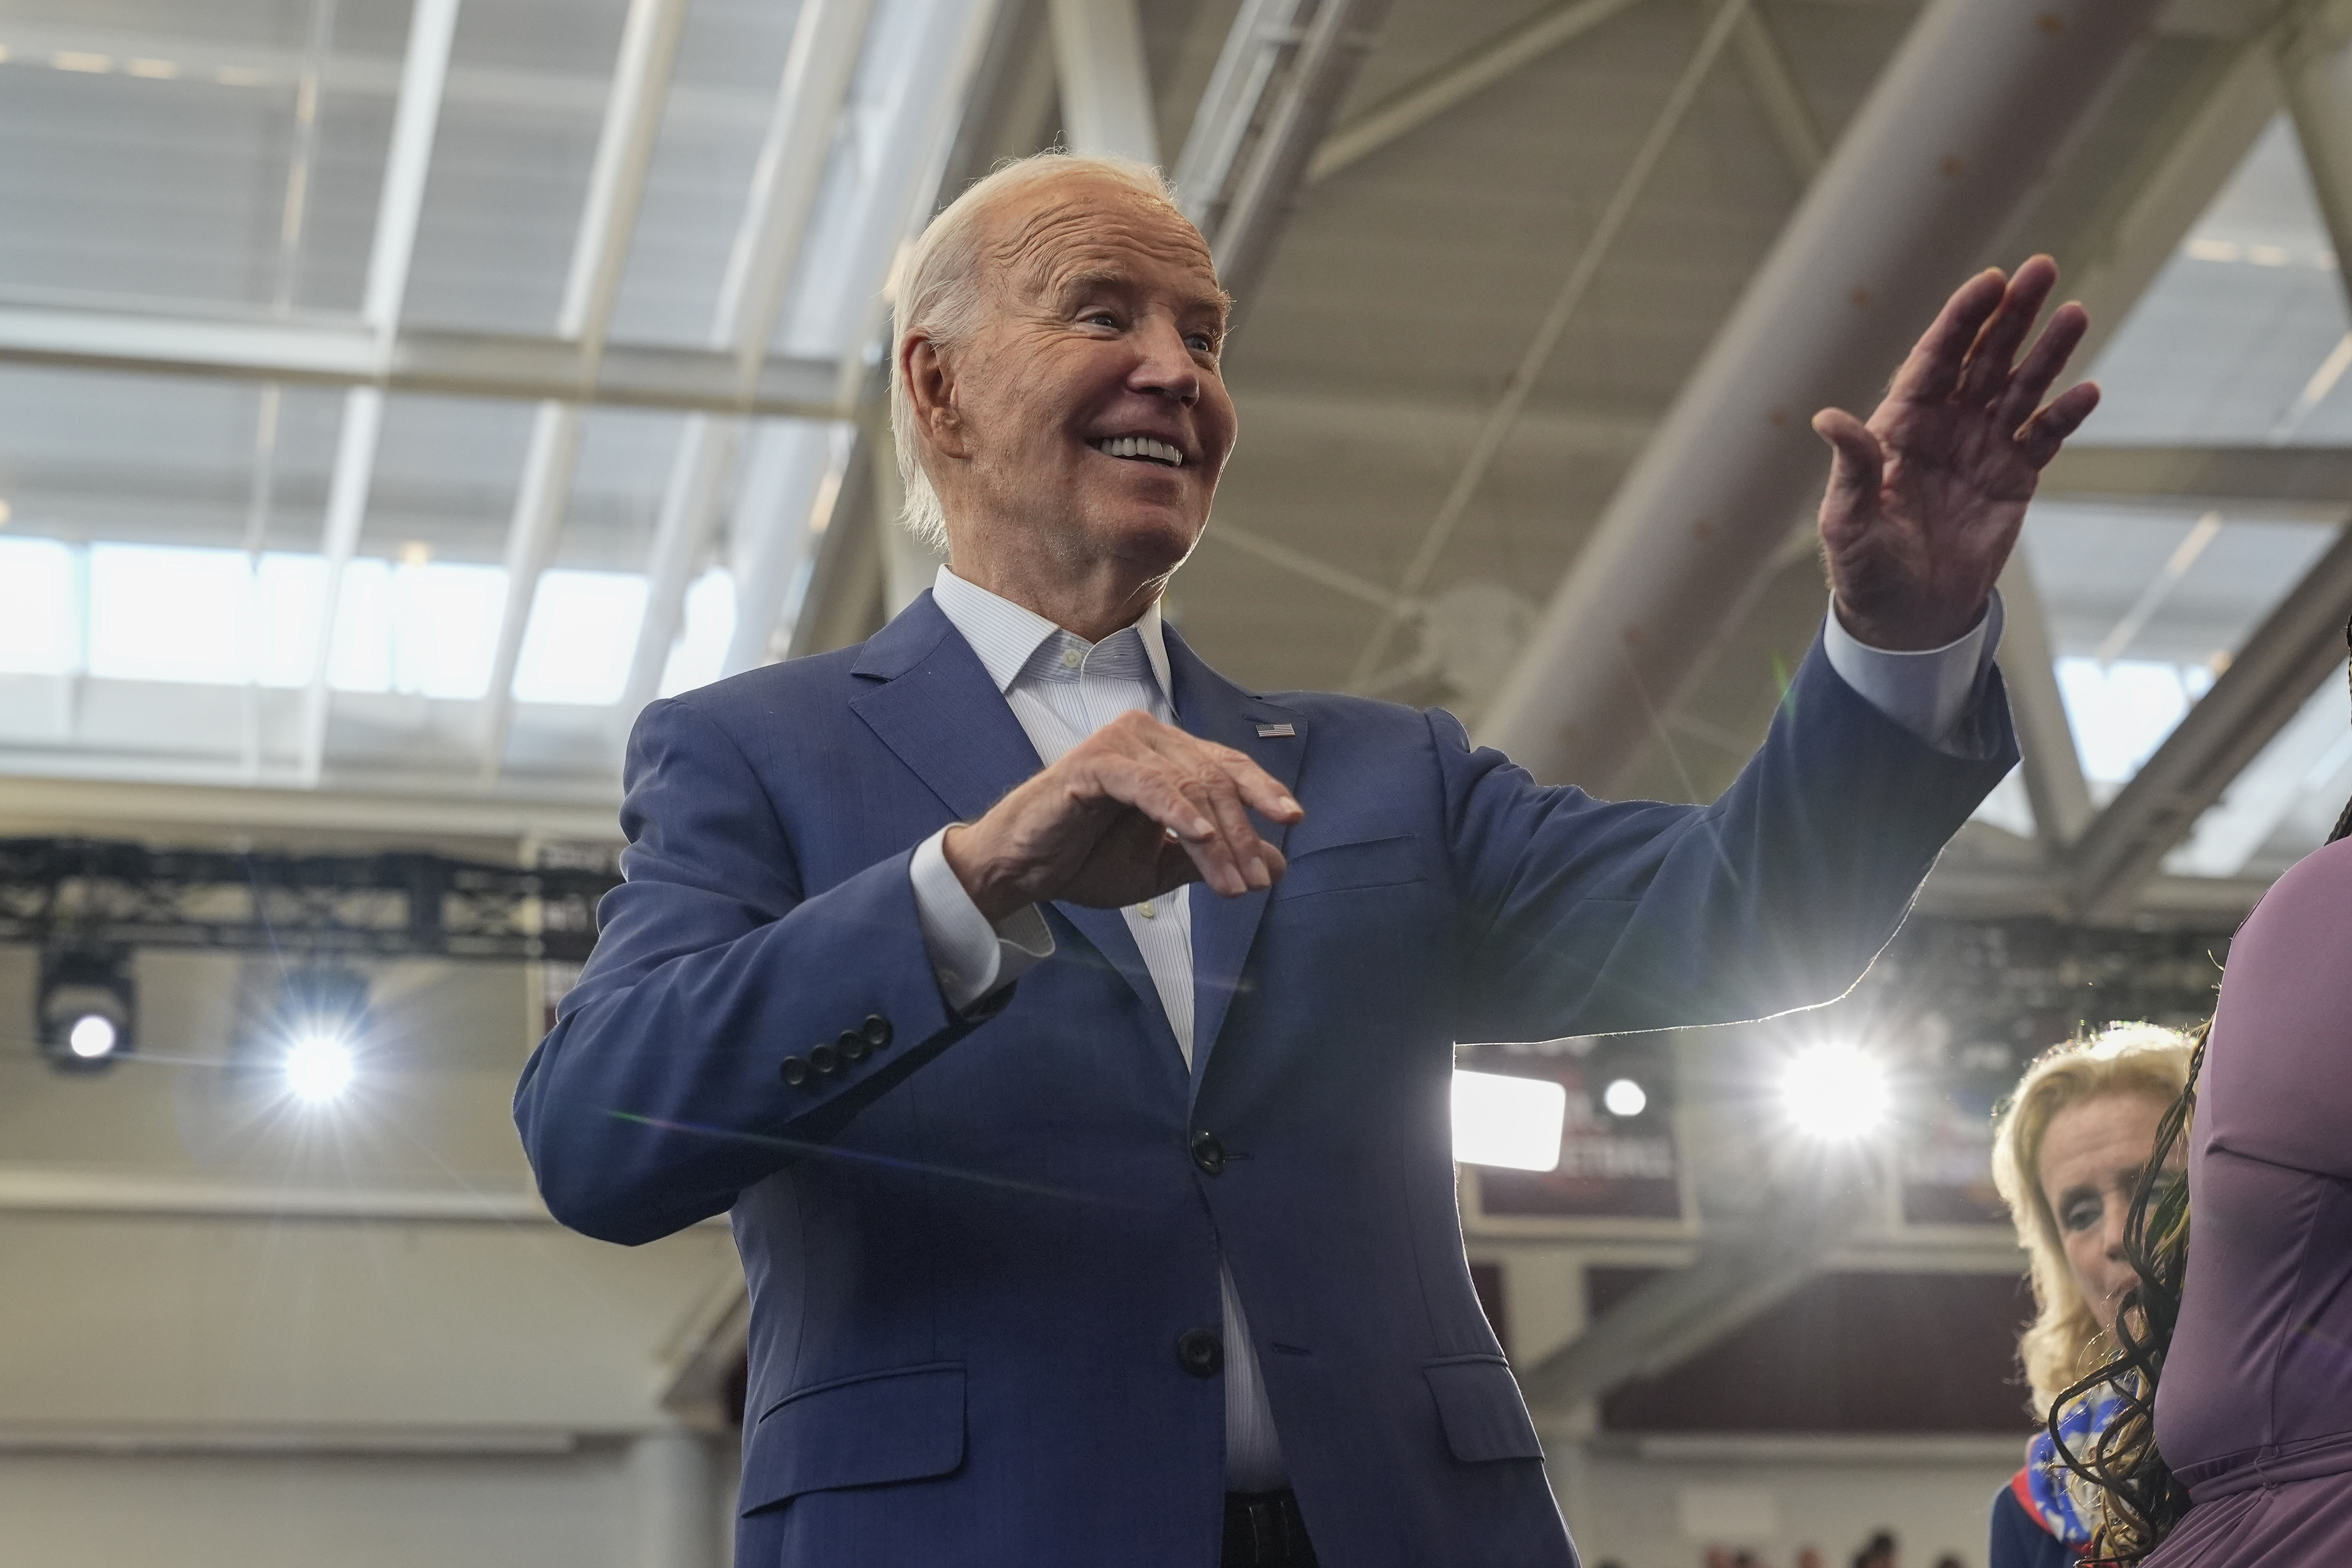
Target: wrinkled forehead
(1071,232)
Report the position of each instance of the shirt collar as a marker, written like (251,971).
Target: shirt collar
(1005,634)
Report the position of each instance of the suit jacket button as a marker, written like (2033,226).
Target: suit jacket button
(1200,1352)
(877,1030)
(793,1071)
(852,1045)
(824,1058)
(1207,1152)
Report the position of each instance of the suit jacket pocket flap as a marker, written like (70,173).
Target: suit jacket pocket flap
(899,1425)
(1478,1402)
(1367,863)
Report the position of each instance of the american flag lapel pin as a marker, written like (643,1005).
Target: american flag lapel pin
(1275,732)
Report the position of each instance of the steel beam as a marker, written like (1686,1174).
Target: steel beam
(400,202)
(1106,91)
(2053,765)
(2282,664)
(2109,269)
(2311,750)
(1778,97)
(32,1189)
(2299,476)
(401,904)
(1269,103)
(600,251)
(342,353)
(1496,428)
(1458,81)
(2315,66)
(346,493)
(432,23)
(1936,168)
(916,106)
(818,68)
(205,801)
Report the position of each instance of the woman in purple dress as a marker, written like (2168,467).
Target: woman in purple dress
(2233,1448)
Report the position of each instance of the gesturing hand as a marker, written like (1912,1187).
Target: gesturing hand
(1137,808)
(1925,500)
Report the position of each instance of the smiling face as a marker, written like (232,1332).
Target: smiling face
(2092,1154)
(1075,436)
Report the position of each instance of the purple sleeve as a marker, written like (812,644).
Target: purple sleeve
(2277,1079)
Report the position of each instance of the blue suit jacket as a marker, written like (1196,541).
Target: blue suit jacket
(971,1252)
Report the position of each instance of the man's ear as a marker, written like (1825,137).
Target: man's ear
(930,388)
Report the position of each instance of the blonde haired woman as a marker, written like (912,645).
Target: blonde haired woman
(2068,1150)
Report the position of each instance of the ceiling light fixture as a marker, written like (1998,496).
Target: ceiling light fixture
(1515,1122)
(1836,1093)
(84,1010)
(1624,1098)
(319,1030)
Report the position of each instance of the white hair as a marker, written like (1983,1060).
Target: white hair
(941,293)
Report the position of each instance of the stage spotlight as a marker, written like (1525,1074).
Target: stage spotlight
(317,1068)
(1509,1121)
(85,1009)
(320,1023)
(1835,1091)
(1624,1098)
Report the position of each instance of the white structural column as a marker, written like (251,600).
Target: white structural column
(432,25)
(677,1497)
(1106,91)
(599,250)
(817,70)
(907,115)
(1959,131)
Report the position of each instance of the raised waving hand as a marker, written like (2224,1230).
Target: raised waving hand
(1927,496)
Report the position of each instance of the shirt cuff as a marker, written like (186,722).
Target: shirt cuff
(1928,692)
(971,958)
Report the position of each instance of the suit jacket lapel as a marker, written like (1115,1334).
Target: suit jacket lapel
(940,712)
(1210,706)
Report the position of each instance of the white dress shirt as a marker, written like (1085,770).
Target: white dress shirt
(1063,689)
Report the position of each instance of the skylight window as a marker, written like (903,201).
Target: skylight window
(40,607)
(2122,712)
(162,614)
(2243,338)
(700,653)
(424,630)
(2282,805)
(582,634)
(421,628)
(2147,603)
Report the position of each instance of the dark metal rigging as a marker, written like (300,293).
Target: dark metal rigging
(88,893)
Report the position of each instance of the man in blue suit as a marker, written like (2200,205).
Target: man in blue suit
(1069,1031)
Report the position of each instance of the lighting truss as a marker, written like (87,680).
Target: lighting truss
(58,892)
